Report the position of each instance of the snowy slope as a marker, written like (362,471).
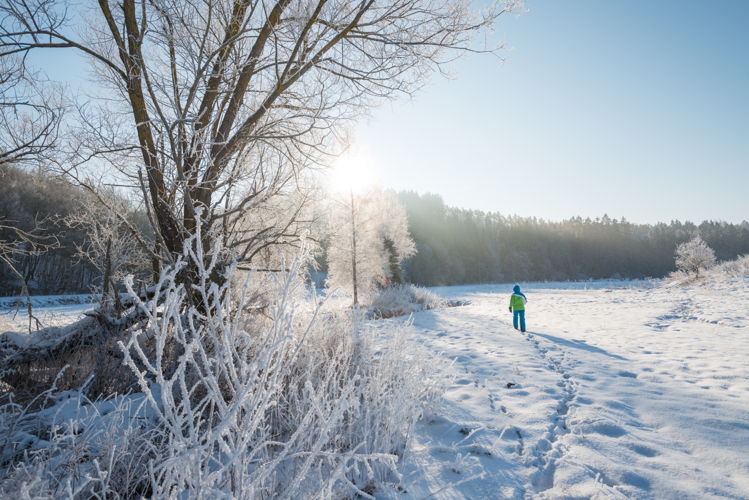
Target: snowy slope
(633,392)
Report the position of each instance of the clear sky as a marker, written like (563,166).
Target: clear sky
(636,108)
(632,108)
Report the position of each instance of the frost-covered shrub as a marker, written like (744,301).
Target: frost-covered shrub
(680,278)
(426,298)
(62,445)
(733,268)
(290,403)
(398,300)
(729,270)
(694,255)
(307,406)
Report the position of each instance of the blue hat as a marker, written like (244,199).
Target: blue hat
(516,289)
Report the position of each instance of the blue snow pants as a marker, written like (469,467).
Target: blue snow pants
(518,314)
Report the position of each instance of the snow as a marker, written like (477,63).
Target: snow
(51,310)
(620,390)
(47,300)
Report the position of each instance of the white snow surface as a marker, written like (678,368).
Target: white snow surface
(618,390)
(50,310)
(47,300)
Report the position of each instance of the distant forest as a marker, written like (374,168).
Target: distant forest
(36,202)
(457,246)
(454,245)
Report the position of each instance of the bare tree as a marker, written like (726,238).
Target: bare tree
(219,105)
(30,115)
(109,245)
(369,240)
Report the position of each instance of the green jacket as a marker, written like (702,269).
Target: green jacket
(517,302)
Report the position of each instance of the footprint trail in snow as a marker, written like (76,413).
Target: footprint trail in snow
(614,393)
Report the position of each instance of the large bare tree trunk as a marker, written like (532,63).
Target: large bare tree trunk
(220,105)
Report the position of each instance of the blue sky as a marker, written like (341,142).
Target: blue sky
(634,108)
(637,109)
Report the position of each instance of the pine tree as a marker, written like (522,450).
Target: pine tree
(394,265)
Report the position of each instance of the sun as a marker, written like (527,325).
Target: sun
(352,172)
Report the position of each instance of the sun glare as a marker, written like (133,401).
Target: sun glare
(353,172)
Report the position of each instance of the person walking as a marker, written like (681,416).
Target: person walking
(517,307)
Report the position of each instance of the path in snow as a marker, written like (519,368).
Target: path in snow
(614,393)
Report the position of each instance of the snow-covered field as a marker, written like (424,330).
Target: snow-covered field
(621,390)
(50,310)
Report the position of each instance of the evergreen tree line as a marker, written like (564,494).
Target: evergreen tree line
(458,246)
(454,245)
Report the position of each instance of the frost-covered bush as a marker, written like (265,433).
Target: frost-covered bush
(290,403)
(398,300)
(426,298)
(729,270)
(306,407)
(693,256)
(62,445)
(733,268)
